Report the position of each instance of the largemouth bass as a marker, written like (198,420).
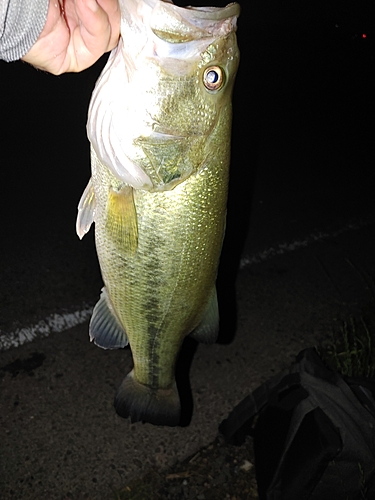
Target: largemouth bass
(159,125)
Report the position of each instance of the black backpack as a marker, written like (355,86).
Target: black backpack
(313,432)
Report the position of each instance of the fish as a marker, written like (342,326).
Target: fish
(159,126)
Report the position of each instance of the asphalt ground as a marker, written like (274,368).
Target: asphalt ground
(298,257)
(61,437)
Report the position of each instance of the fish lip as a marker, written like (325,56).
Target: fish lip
(199,13)
(214,13)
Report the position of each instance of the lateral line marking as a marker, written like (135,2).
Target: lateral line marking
(60,322)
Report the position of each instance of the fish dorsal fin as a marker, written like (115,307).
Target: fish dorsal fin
(105,329)
(86,211)
(208,329)
(121,220)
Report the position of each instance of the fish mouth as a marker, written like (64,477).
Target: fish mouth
(198,16)
(211,13)
(204,13)
(178,25)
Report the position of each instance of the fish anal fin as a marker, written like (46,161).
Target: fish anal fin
(144,404)
(105,329)
(121,220)
(208,329)
(86,211)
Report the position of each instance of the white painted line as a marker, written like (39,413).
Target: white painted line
(52,324)
(282,248)
(60,322)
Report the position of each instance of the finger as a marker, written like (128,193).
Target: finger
(98,27)
(112,8)
(92,32)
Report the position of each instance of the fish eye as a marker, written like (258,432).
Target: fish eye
(213,78)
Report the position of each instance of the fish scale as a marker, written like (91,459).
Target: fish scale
(167,264)
(160,212)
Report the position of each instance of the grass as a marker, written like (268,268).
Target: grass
(351,349)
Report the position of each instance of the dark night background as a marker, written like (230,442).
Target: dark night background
(302,148)
(301,178)
(302,144)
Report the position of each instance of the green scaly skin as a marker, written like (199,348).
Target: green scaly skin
(159,287)
(160,291)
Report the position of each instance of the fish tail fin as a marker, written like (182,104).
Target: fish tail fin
(142,403)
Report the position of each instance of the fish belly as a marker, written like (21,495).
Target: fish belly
(159,282)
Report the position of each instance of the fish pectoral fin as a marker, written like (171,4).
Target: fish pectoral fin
(145,404)
(208,329)
(121,220)
(86,210)
(105,329)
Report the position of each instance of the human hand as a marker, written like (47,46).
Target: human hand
(77,33)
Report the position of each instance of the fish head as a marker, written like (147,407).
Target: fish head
(163,90)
